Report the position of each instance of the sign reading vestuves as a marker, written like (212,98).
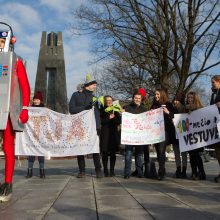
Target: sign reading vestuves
(197,129)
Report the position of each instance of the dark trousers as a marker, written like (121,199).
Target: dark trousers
(146,154)
(161,154)
(105,156)
(217,152)
(82,164)
(196,161)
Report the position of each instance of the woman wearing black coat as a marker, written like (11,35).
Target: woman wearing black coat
(37,102)
(198,173)
(109,138)
(161,100)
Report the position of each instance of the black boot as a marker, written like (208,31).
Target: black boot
(161,174)
(194,174)
(98,173)
(217,179)
(147,172)
(29,173)
(183,173)
(106,173)
(177,173)
(150,170)
(42,174)
(202,175)
(134,173)
(112,166)
(5,192)
(105,165)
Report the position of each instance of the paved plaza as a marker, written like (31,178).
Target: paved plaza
(63,196)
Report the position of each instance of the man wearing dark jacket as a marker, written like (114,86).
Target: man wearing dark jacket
(135,107)
(215,99)
(84,101)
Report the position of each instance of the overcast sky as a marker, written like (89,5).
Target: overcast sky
(29,18)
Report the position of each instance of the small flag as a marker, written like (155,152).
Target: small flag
(5,68)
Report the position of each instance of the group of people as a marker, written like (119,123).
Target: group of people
(108,123)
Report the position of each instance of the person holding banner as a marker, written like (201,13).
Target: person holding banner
(135,107)
(180,159)
(161,101)
(79,102)
(215,99)
(37,102)
(193,103)
(147,163)
(109,138)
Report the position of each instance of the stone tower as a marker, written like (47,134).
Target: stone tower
(51,78)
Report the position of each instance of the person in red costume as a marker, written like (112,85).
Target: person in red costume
(9,132)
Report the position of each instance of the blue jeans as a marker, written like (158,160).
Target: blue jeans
(31,160)
(138,159)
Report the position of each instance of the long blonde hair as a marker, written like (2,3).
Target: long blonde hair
(196,100)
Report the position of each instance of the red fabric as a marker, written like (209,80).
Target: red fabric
(25,90)
(8,133)
(23,82)
(142,92)
(8,148)
(24,116)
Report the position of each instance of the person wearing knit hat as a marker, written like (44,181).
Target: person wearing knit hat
(39,96)
(143,93)
(89,80)
(79,102)
(37,102)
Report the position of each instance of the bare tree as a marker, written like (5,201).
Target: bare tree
(169,40)
(123,79)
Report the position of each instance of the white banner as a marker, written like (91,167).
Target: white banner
(218,123)
(144,128)
(197,129)
(49,133)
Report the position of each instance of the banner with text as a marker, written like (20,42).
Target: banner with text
(144,128)
(197,129)
(49,133)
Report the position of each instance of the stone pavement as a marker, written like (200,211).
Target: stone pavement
(63,196)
